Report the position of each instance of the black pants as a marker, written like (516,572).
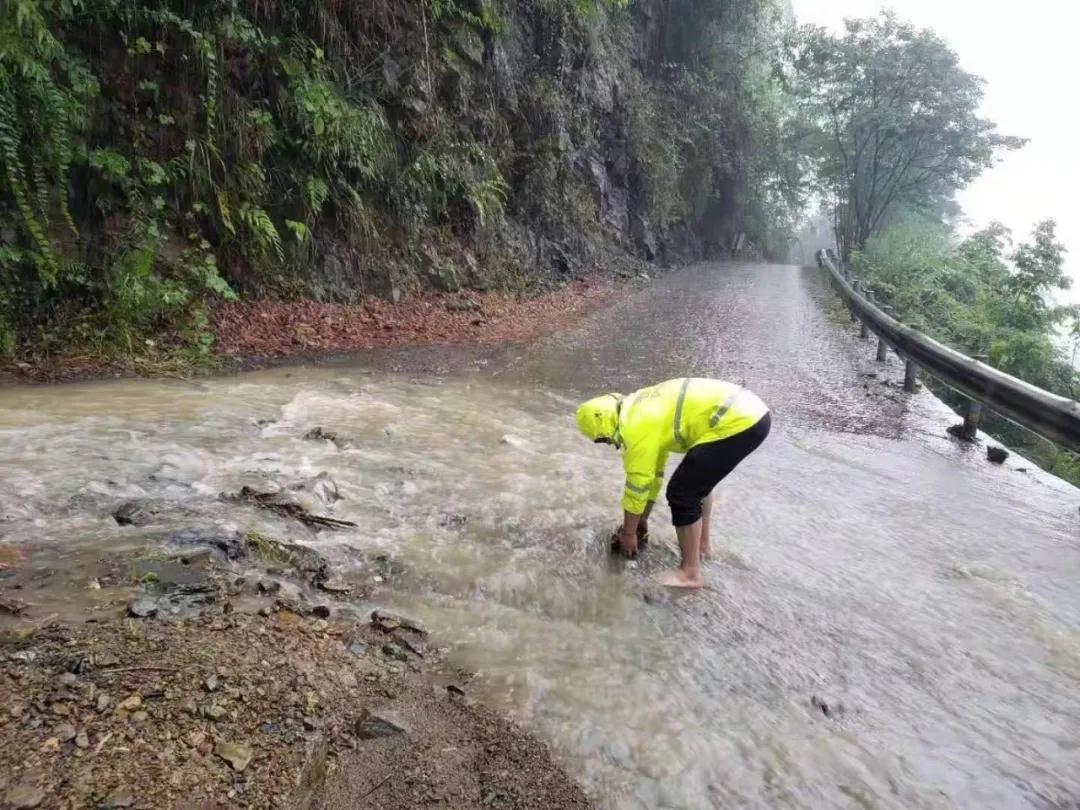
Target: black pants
(707,465)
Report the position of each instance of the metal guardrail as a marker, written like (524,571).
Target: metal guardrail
(1051,416)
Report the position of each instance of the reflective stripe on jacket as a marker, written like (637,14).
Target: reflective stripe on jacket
(673,417)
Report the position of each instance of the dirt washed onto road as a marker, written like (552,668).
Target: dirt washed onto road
(258,702)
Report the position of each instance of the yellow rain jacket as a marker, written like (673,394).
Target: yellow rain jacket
(671,417)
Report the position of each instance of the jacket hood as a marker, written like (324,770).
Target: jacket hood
(599,417)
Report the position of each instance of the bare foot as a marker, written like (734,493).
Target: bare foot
(678,578)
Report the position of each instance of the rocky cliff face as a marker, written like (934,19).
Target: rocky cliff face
(160,153)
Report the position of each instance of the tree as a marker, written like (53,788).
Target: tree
(891,121)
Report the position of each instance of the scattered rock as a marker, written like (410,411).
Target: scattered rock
(213,711)
(335,585)
(394,652)
(996,455)
(957,432)
(131,703)
(388,622)
(311,723)
(230,544)
(11,606)
(140,717)
(829,710)
(65,732)
(373,726)
(132,513)
(358,648)
(317,434)
(102,702)
(121,797)
(143,608)
(82,740)
(50,746)
(60,709)
(67,679)
(25,796)
(236,754)
(211,683)
(269,586)
(321,611)
(195,738)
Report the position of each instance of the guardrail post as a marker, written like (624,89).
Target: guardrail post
(882,350)
(971,420)
(910,373)
(864,330)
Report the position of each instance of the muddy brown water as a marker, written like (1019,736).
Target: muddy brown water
(928,601)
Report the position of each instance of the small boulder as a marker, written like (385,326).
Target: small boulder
(236,754)
(132,513)
(25,796)
(996,455)
(143,608)
(130,703)
(65,732)
(373,726)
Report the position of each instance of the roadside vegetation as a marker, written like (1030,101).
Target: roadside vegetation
(158,157)
(893,132)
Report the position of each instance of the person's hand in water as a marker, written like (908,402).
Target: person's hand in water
(643,530)
(627,544)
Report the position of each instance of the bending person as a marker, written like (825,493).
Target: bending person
(715,423)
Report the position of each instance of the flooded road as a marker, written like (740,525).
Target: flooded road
(892,623)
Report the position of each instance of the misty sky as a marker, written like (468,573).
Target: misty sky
(1028,54)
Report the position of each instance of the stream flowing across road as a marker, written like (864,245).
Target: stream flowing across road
(890,622)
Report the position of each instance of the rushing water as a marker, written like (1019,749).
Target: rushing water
(930,600)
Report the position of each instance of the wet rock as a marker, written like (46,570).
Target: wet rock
(130,703)
(229,544)
(321,611)
(143,608)
(957,432)
(372,726)
(826,708)
(996,455)
(11,606)
(318,434)
(269,586)
(335,585)
(453,521)
(273,552)
(132,513)
(180,589)
(394,652)
(388,622)
(236,754)
(25,796)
